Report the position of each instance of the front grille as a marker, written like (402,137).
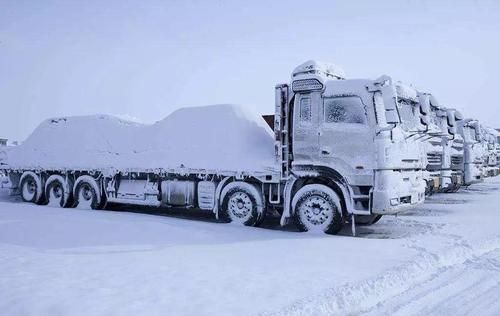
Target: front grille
(457,160)
(434,159)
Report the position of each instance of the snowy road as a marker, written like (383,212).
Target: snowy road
(442,258)
(468,288)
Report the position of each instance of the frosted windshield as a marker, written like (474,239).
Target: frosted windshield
(344,110)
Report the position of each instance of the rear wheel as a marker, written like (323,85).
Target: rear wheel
(58,191)
(317,208)
(87,194)
(31,188)
(242,203)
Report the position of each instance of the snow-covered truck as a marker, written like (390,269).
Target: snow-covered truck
(455,149)
(473,161)
(434,143)
(338,152)
(491,138)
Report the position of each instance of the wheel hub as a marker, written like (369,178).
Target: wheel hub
(86,193)
(240,204)
(316,210)
(57,191)
(31,185)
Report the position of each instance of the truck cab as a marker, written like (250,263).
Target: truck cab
(473,163)
(456,149)
(348,132)
(491,136)
(434,143)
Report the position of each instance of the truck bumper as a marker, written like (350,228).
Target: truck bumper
(453,183)
(396,191)
(472,174)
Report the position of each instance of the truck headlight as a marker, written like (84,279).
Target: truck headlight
(394,202)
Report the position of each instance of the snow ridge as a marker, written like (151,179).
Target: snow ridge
(361,297)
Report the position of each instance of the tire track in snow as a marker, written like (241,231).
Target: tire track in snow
(367,295)
(468,288)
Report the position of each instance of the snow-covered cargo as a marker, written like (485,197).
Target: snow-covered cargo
(216,137)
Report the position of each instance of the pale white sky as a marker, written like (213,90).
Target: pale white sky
(147,58)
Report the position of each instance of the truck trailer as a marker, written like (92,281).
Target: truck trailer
(338,153)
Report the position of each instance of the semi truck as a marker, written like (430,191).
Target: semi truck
(434,144)
(473,161)
(341,154)
(455,149)
(491,139)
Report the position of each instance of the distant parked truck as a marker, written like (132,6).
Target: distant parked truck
(492,145)
(342,153)
(473,161)
(442,147)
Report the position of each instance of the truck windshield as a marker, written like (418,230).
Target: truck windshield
(408,110)
(349,109)
(472,134)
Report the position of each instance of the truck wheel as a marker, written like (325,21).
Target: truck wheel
(31,188)
(317,208)
(58,191)
(242,203)
(86,194)
(366,220)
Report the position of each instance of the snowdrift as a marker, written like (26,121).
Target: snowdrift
(216,137)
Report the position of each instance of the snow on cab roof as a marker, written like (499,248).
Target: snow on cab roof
(406,92)
(327,70)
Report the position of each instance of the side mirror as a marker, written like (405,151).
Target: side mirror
(424,119)
(424,102)
(433,101)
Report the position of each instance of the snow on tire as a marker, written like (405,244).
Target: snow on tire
(242,203)
(317,208)
(31,187)
(58,191)
(87,194)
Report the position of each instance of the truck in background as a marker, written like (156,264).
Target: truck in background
(469,129)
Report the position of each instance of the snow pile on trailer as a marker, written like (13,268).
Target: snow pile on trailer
(217,137)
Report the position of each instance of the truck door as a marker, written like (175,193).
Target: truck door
(305,127)
(345,137)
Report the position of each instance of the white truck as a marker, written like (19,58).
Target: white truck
(473,161)
(491,139)
(339,153)
(434,143)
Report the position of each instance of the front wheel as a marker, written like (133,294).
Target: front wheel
(317,208)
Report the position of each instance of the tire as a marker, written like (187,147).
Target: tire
(87,194)
(58,192)
(242,203)
(31,188)
(317,208)
(367,220)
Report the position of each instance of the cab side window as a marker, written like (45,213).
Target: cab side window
(305,109)
(344,110)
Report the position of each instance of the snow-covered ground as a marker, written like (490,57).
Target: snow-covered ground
(442,258)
